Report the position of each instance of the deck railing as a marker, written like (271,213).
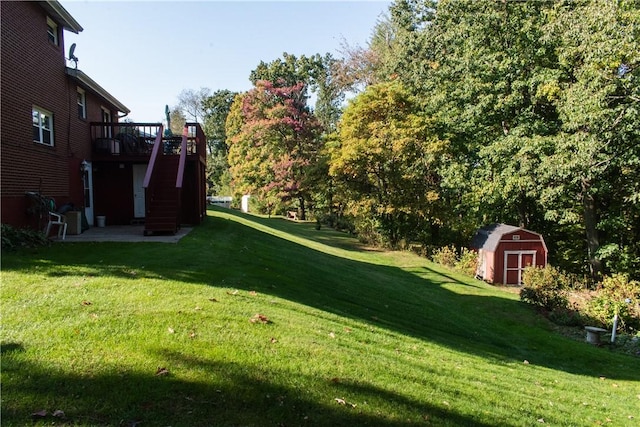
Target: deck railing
(138,139)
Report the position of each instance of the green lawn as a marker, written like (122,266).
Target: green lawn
(154,334)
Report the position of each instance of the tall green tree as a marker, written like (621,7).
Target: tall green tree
(316,76)
(480,68)
(216,109)
(386,161)
(591,175)
(539,101)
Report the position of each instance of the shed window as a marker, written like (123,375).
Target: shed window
(52,31)
(42,126)
(82,104)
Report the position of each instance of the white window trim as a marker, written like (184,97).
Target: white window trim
(82,96)
(106,118)
(42,112)
(52,31)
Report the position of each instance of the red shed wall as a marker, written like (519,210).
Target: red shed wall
(527,242)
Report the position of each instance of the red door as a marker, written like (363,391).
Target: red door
(514,264)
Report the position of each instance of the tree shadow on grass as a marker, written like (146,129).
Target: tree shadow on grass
(229,394)
(248,253)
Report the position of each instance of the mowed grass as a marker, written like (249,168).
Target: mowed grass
(151,334)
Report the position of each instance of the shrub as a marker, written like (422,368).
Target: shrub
(566,317)
(545,288)
(467,262)
(14,238)
(446,256)
(616,295)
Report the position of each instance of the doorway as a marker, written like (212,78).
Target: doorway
(139,206)
(87,183)
(514,264)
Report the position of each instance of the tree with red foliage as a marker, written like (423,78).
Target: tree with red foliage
(276,144)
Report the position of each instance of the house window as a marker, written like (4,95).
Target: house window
(42,126)
(52,31)
(106,118)
(82,104)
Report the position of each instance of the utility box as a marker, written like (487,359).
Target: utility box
(74,222)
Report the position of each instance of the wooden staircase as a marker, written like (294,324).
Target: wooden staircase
(163,200)
(163,184)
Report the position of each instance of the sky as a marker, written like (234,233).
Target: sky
(146,52)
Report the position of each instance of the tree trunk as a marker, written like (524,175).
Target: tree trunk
(303,211)
(591,231)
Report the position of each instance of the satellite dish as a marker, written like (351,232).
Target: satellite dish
(72,57)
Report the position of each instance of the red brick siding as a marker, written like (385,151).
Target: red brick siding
(33,73)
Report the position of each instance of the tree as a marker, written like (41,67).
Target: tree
(386,161)
(274,140)
(315,74)
(591,175)
(192,103)
(178,120)
(216,110)
(540,103)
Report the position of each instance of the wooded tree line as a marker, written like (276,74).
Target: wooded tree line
(466,112)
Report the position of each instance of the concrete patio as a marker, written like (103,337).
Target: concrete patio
(123,233)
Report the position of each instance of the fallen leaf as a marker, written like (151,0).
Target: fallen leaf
(332,335)
(198,308)
(526,362)
(335,380)
(340,401)
(192,334)
(162,371)
(273,340)
(253,293)
(259,318)
(213,300)
(445,403)
(541,420)
(171,330)
(86,302)
(347,330)
(233,293)
(58,413)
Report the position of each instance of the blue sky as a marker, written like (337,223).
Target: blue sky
(146,52)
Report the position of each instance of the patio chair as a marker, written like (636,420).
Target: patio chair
(60,221)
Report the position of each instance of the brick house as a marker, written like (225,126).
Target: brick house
(62,137)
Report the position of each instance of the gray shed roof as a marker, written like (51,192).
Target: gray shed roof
(488,237)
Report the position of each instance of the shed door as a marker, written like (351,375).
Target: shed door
(514,263)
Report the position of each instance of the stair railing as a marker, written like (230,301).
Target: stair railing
(154,157)
(183,157)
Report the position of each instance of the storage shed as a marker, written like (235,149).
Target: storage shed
(504,251)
